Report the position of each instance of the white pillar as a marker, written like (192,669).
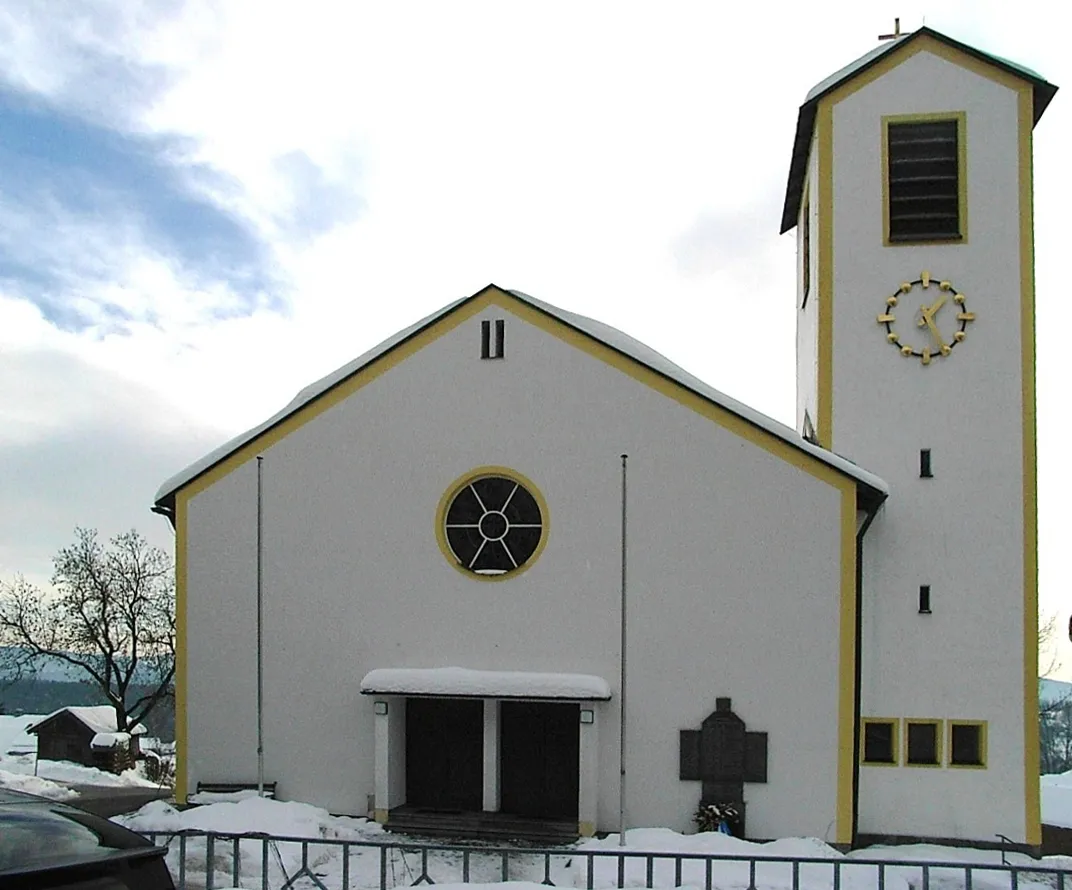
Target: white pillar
(390,755)
(382,787)
(491,755)
(588,784)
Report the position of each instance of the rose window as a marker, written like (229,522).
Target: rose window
(493,525)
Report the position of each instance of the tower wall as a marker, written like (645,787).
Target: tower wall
(968,532)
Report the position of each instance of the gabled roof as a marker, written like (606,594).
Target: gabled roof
(98,718)
(1043,92)
(872,489)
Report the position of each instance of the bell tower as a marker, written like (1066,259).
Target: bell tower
(910,189)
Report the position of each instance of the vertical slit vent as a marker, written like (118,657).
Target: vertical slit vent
(925,464)
(924,599)
(485,339)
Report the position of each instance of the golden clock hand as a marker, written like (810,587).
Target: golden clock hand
(934,330)
(937,305)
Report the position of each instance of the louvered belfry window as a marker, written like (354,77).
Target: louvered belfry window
(924,181)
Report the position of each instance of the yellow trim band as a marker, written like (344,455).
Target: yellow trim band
(1032,806)
(181,749)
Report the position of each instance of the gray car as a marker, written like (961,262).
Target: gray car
(46,845)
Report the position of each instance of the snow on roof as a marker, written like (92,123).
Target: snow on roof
(644,354)
(109,740)
(306,395)
(99,718)
(597,330)
(463,682)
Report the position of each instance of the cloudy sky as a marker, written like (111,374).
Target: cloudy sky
(206,205)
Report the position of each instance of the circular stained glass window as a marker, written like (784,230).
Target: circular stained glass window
(493,525)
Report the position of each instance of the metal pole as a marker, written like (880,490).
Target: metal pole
(260,628)
(621,702)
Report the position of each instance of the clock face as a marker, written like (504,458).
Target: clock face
(926,319)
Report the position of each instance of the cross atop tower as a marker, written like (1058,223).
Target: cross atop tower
(896,31)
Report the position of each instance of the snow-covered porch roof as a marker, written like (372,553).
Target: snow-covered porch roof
(457,682)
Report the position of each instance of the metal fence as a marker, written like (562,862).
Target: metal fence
(214,861)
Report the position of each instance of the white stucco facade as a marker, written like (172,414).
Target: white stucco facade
(778,573)
(354,579)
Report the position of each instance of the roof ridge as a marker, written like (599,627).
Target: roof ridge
(598,331)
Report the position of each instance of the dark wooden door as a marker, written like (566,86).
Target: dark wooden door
(445,754)
(539,757)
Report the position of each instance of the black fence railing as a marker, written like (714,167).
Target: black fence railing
(212,861)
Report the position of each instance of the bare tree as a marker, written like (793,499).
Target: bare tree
(1047,644)
(111,617)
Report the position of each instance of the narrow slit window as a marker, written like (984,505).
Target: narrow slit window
(924,180)
(925,464)
(924,599)
(490,348)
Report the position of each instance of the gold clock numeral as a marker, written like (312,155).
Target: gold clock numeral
(944,285)
(886,319)
(959,336)
(891,301)
(945,350)
(959,298)
(906,350)
(925,278)
(891,337)
(906,287)
(965,316)
(926,357)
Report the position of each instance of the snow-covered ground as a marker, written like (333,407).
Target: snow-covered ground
(31,784)
(18,754)
(1057,800)
(526,870)
(245,813)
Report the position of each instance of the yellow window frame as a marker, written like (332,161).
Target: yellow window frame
(939,733)
(960,118)
(983,731)
(895,743)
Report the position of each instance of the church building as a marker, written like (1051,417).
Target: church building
(406,588)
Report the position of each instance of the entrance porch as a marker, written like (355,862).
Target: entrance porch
(486,764)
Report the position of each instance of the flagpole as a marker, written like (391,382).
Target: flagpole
(260,628)
(621,702)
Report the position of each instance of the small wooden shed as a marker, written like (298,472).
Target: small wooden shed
(68,734)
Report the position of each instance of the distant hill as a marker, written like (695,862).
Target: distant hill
(58,670)
(38,696)
(1051,691)
(47,669)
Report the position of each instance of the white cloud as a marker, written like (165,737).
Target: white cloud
(393,157)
